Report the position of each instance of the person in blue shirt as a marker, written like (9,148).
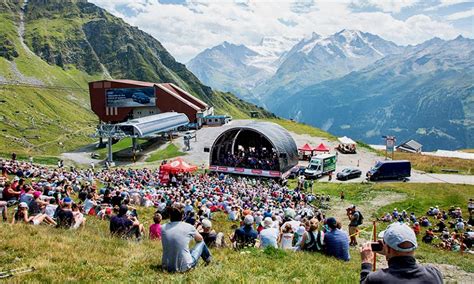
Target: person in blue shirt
(245,235)
(336,241)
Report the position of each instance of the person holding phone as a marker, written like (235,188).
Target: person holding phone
(398,245)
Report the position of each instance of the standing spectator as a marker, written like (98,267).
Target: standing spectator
(355,218)
(336,241)
(399,244)
(342,196)
(176,236)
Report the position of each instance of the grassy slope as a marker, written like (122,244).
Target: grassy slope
(55,115)
(301,128)
(91,255)
(432,164)
(171,151)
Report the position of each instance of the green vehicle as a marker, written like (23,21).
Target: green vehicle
(321,165)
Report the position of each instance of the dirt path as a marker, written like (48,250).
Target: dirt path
(451,273)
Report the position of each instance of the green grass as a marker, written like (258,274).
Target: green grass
(43,160)
(91,255)
(171,151)
(301,128)
(433,164)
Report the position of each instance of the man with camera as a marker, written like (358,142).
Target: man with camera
(398,245)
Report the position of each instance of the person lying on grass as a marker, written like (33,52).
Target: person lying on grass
(21,215)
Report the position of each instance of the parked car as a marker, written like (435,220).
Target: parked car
(390,170)
(349,173)
(296,171)
(140,98)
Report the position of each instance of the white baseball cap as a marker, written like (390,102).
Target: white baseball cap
(398,233)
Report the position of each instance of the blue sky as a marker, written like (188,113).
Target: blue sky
(186,27)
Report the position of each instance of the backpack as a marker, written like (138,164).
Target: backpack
(315,243)
(360,219)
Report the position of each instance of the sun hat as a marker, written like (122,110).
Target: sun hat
(67,200)
(206,223)
(398,233)
(36,194)
(248,220)
(23,205)
(301,230)
(267,222)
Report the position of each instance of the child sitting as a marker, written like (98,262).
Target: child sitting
(155,229)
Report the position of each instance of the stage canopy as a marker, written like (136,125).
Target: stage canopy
(257,136)
(346,140)
(178,166)
(306,148)
(322,148)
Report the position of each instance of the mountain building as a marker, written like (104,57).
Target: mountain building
(115,101)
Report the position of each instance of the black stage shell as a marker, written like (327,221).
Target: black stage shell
(280,139)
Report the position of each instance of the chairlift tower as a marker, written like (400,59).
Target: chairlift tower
(109,131)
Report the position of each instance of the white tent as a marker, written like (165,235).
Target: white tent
(346,140)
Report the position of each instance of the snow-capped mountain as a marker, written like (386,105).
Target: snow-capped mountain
(318,59)
(424,93)
(239,68)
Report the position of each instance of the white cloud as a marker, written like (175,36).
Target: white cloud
(187,29)
(460,15)
(391,6)
(445,3)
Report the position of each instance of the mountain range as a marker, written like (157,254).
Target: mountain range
(358,84)
(238,68)
(50,49)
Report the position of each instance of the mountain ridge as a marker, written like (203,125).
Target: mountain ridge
(72,43)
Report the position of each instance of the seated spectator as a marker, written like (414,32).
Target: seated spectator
(124,226)
(155,228)
(246,235)
(4,210)
(89,205)
(313,239)
(428,237)
(79,220)
(51,208)
(286,236)
(117,199)
(21,215)
(210,236)
(336,241)
(176,236)
(416,228)
(441,226)
(425,222)
(10,194)
(64,216)
(268,237)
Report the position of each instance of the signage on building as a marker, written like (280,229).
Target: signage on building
(130,97)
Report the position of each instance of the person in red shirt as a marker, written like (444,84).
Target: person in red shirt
(416,228)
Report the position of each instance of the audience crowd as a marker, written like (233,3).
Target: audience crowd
(263,213)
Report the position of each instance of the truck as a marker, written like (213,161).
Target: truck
(390,170)
(320,165)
